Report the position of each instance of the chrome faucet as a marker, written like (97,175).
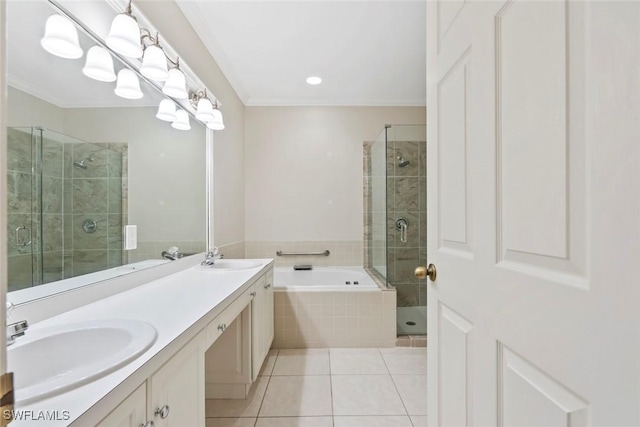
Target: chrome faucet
(212,256)
(172,254)
(17,329)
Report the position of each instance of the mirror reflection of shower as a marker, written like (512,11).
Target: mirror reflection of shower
(81,164)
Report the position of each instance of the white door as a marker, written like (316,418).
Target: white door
(533,120)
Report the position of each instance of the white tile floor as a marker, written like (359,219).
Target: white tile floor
(337,387)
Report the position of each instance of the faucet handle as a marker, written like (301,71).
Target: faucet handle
(10,308)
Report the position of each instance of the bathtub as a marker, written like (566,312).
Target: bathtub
(323,278)
(324,307)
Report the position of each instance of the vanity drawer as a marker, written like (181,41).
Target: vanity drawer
(217,326)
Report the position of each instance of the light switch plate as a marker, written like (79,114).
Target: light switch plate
(130,237)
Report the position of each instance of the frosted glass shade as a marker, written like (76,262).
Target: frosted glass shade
(217,123)
(167,110)
(154,64)
(128,85)
(124,36)
(99,65)
(175,86)
(204,110)
(61,38)
(182,121)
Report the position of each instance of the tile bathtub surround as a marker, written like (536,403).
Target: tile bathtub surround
(343,253)
(337,387)
(334,319)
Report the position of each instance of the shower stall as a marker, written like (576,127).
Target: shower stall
(66,205)
(396,219)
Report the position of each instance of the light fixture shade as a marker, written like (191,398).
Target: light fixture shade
(99,65)
(175,86)
(124,36)
(217,123)
(167,110)
(61,38)
(182,121)
(128,85)
(154,64)
(204,110)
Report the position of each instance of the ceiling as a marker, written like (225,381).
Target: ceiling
(367,52)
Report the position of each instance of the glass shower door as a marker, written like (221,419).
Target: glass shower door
(24,221)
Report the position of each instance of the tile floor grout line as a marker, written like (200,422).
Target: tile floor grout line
(400,396)
(266,388)
(333,418)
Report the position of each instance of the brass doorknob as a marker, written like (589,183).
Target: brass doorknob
(424,272)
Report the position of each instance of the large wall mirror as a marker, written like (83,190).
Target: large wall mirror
(83,163)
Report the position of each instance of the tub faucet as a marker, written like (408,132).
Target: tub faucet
(15,330)
(211,257)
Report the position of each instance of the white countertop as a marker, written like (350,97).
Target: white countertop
(179,306)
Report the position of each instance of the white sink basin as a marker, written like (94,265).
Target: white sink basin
(231,264)
(53,360)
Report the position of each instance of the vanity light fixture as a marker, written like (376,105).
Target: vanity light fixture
(128,85)
(182,120)
(99,65)
(176,85)
(217,123)
(154,62)
(166,110)
(124,35)
(206,111)
(61,38)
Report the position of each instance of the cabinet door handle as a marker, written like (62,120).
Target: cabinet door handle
(162,412)
(267,286)
(222,327)
(148,424)
(253,294)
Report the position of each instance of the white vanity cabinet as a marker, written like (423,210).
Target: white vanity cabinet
(261,322)
(221,361)
(132,412)
(176,391)
(233,362)
(172,397)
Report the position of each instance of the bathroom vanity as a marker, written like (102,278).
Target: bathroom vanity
(214,330)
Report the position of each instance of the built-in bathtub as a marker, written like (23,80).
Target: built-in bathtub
(332,307)
(323,278)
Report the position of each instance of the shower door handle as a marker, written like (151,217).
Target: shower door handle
(22,242)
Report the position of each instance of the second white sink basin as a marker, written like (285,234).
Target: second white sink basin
(53,360)
(231,264)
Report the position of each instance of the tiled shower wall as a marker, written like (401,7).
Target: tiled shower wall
(55,204)
(406,198)
(97,193)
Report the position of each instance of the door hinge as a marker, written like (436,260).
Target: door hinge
(7,399)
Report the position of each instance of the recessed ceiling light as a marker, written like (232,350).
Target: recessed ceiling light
(314,80)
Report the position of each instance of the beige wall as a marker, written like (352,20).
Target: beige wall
(304,169)
(229,206)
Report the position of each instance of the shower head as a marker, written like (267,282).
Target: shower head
(80,164)
(402,162)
